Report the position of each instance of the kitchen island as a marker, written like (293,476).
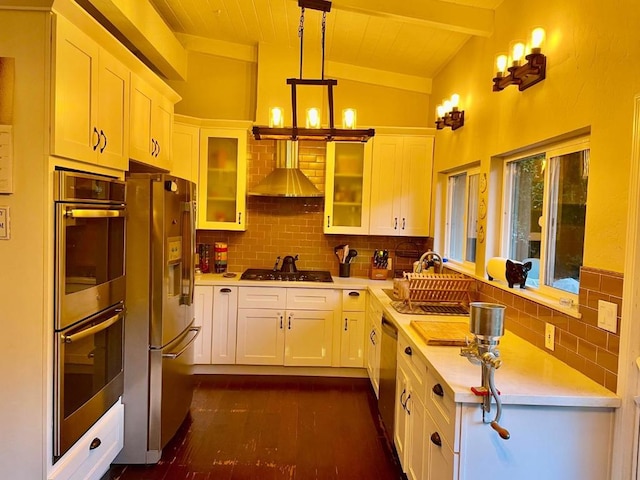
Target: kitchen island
(560,421)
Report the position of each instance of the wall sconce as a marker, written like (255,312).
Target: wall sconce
(276,118)
(524,75)
(349,118)
(448,114)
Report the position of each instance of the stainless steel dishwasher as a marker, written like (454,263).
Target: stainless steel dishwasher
(387,393)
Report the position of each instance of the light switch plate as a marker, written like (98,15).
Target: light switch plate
(549,336)
(5,231)
(608,316)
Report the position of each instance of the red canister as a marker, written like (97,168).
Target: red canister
(220,256)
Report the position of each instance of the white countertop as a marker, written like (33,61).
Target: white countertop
(528,375)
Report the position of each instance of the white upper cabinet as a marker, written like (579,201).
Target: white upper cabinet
(347,188)
(151,125)
(186,151)
(401,185)
(91,100)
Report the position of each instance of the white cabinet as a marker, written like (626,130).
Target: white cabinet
(91,100)
(373,333)
(186,151)
(216,312)
(151,122)
(401,185)
(347,188)
(222,186)
(285,326)
(352,328)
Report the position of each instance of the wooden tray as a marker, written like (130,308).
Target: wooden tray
(443,333)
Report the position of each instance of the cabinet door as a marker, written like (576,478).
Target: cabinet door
(415,201)
(113,112)
(75,103)
(203,306)
(386,186)
(185,147)
(401,423)
(415,441)
(352,339)
(347,188)
(260,337)
(161,123)
(223,178)
(141,104)
(373,356)
(225,314)
(440,463)
(308,338)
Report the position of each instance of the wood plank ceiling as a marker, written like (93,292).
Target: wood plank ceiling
(409,37)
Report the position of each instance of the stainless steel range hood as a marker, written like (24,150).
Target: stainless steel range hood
(287,180)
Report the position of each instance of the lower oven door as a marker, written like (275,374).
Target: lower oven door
(88,375)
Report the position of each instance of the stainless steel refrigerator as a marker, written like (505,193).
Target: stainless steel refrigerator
(159,327)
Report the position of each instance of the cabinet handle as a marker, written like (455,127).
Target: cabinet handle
(153,147)
(354,294)
(346,324)
(95,130)
(403,222)
(371,335)
(95,443)
(406,404)
(408,351)
(158,151)
(280,322)
(225,290)
(105,141)
(437,389)
(328,222)
(289,326)
(435,439)
(239,218)
(395,223)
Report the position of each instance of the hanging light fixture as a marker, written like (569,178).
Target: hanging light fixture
(313,129)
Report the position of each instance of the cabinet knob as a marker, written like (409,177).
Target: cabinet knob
(354,294)
(225,290)
(435,439)
(408,351)
(95,443)
(438,390)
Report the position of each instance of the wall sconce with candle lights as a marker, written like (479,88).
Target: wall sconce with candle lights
(449,115)
(521,73)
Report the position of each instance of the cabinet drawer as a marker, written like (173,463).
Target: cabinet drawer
(311,299)
(441,407)
(262,297)
(415,367)
(354,300)
(443,462)
(83,461)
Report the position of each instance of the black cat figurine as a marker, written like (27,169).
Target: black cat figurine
(510,271)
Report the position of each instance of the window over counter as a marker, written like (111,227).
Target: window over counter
(461,234)
(544,208)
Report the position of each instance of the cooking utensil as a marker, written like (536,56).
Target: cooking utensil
(351,255)
(289,264)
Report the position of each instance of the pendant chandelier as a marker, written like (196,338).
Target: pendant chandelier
(313,130)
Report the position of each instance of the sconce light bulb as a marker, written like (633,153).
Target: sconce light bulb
(276,117)
(501,62)
(440,111)
(455,100)
(313,118)
(349,118)
(447,106)
(537,37)
(518,52)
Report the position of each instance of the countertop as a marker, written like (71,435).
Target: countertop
(528,375)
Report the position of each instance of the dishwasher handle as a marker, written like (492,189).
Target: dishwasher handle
(389,328)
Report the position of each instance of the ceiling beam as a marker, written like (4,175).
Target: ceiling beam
(431,13)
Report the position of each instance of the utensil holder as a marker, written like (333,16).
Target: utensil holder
(344,270)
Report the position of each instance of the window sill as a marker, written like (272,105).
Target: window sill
(546,300)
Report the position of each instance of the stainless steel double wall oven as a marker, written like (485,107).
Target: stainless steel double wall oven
(89,301)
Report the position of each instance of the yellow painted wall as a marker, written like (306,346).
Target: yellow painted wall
(592,76)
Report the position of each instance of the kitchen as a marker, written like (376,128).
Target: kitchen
(571,98)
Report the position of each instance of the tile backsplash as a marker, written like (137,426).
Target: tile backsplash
(579,342)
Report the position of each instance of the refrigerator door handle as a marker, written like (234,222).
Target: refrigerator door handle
(174,355)
(187,297)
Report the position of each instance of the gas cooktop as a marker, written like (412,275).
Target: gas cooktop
(299,276)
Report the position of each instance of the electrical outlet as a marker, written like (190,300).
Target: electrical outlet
(608,316)
(549,336)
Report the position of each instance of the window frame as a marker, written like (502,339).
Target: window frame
(550,151)
(468,172)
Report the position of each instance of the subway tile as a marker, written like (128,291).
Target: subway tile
(608,360)
(589,280)
(611,285)
(610,380)
(587,350)
(593,297)
(597,336)
(589,316)
(567,340)
(595,372)
(577,328)
(613,343)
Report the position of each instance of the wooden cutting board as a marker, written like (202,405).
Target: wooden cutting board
(443,333)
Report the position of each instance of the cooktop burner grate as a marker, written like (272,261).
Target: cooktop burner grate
(265,274)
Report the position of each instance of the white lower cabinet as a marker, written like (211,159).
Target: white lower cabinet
(352,328)
(216,313)
(91,456)
(373,337)
(286,326)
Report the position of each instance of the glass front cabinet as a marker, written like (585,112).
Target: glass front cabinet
(348,187)
(223,179)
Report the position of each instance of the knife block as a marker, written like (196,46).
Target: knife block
(377,273)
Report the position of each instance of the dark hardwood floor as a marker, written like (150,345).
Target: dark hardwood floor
(271,428)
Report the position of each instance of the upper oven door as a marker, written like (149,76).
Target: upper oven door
(90,263)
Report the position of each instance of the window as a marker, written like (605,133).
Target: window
(545,204)
(462,216)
